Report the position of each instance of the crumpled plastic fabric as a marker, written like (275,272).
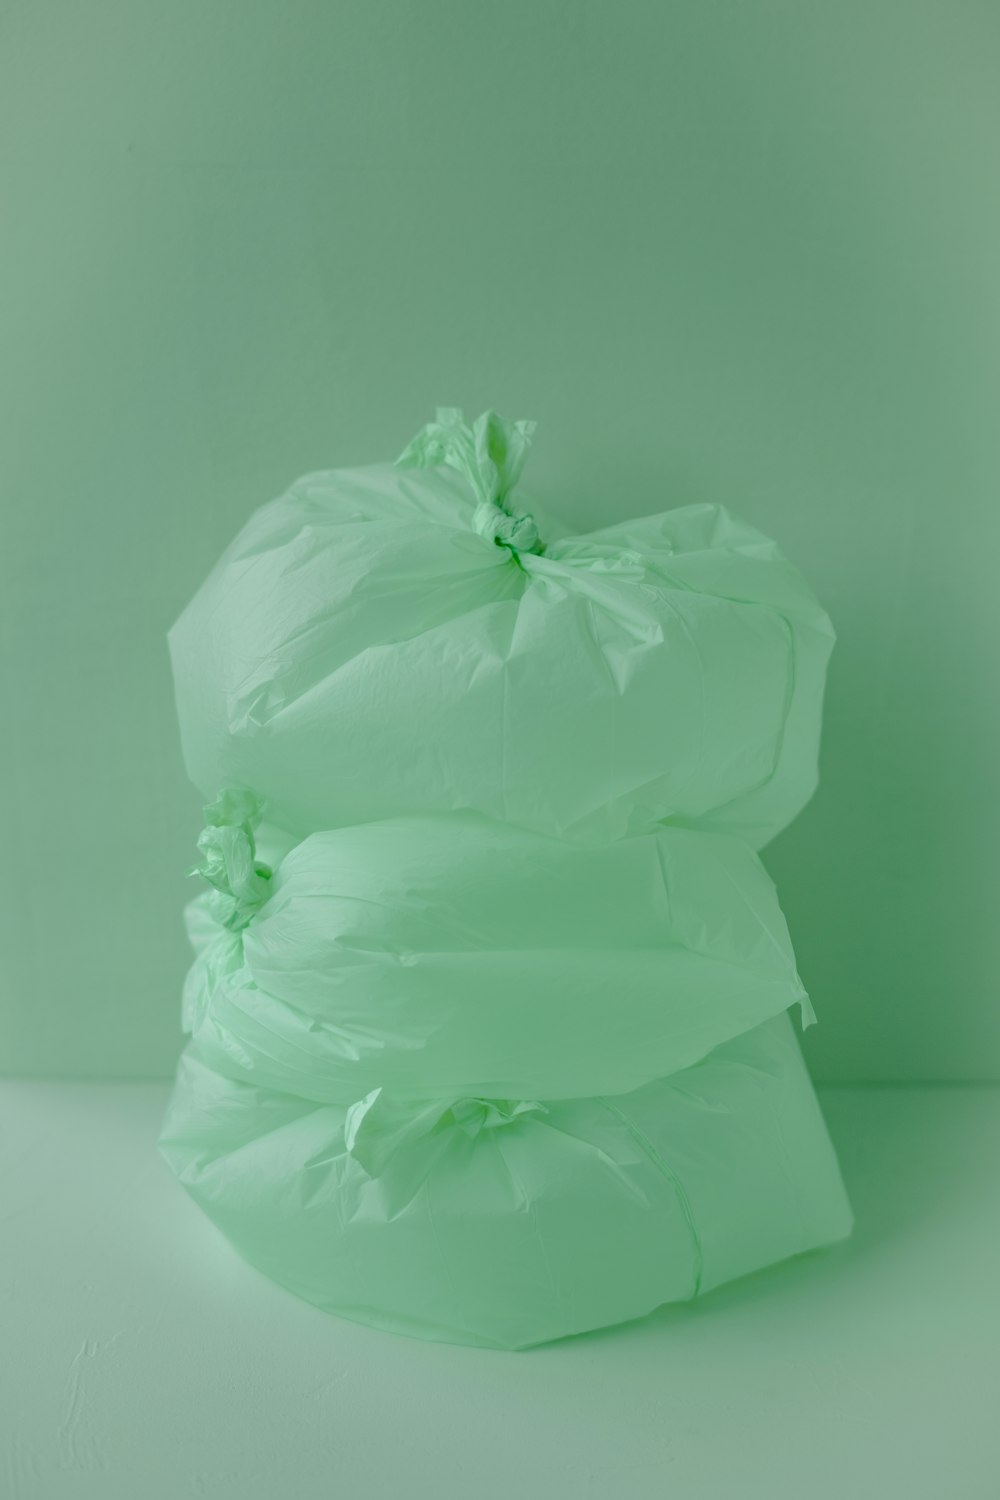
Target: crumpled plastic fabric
(495,1045)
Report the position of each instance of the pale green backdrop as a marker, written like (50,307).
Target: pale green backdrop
(732,252)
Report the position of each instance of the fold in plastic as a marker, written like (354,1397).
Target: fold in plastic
(496,1047)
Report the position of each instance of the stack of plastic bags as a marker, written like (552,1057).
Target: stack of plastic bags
(489,1015)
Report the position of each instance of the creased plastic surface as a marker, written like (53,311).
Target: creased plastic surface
(495,1048)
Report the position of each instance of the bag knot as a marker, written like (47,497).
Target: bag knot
(229,857)
(490,455)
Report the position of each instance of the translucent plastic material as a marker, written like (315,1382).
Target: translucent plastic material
(494,1047)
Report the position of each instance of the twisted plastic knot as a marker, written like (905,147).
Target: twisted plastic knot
(377,1125)
(474,1115)
(507,528)
(229,857)
(490,455)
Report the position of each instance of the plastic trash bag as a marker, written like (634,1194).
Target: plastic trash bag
(512,1231)
(493,1047)
(366,649)
(438,957)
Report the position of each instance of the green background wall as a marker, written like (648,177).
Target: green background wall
(736,252)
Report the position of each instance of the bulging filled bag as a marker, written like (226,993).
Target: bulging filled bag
(488,1224)
(432,957)
(495,1045)
(399,639)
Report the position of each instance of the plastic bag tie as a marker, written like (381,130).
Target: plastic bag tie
(376,1125)
(242,883)
(490,456)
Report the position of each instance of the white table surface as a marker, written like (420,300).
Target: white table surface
(142,1360)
